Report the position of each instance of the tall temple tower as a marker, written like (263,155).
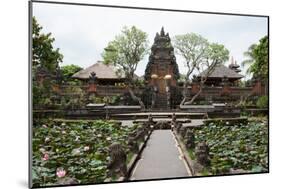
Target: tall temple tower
(234,66)
(162,72)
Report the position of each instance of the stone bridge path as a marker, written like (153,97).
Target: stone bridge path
(161,158)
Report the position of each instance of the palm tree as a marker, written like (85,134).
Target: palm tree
(251,58)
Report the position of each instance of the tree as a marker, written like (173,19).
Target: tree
(44,57)
(250,56)
(258,59)
(125,52)
(43,52)
(193,48)
(68,70)
(200,56)
(260,66)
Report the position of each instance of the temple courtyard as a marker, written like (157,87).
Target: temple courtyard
(104,123)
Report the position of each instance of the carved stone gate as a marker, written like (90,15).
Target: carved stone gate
(162,70)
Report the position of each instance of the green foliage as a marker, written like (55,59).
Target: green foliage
(199,53)
(260,68)
(113,100)
(126,50)
(44,57)
(258,59)
(68,71)
(250,55)
(78,98)
(193,48)
(262,102)
(139,82)
(128,100)
(191,154)
(217,54)
(236,147)
(43,52)
(80,148)
(200,56)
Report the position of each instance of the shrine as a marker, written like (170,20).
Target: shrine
(162,90)
(161,72)
(222,74)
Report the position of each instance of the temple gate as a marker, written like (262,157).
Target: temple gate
(162,72)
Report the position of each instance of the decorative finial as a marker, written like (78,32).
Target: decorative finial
(156,37)
(232,60)
(162,31)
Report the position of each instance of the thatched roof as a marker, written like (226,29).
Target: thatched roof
(102,72)
(220,71)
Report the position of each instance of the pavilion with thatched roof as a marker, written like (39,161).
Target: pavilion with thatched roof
(105,74)
(222,74)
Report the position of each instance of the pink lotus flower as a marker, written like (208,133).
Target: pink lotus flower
(86,148)
(45,157)
(60,172)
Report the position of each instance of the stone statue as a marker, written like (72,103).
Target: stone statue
(202,153)
(133,145)
(168,98)
(93,77)
(140,134)
(206,116)
(174,118)
(189,139)
(178,127)
(118,159)
(146,128)
(154,95)
(150,119)
(182,131)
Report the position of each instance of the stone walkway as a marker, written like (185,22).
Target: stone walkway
(161,158)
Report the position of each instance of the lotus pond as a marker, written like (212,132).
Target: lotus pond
(74,149)
(236,148)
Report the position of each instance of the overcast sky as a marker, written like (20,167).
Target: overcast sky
(82,32)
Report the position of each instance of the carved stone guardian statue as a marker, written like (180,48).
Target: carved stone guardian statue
(133,145)
(182,131)
(178,127)
(189,139)
(117,161)
(202,153)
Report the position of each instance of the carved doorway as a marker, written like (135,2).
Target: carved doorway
(161,85)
